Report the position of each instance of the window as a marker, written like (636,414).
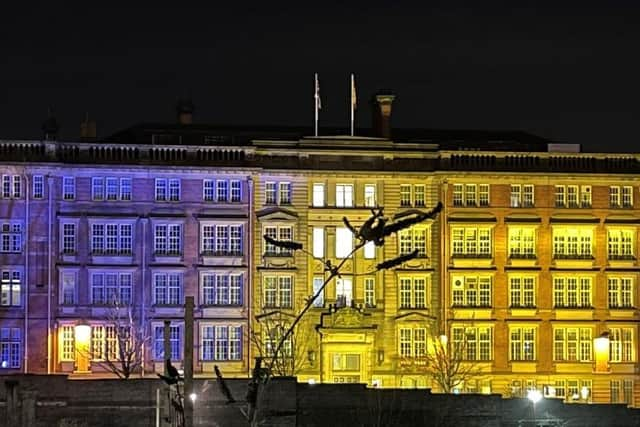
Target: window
(175,341)
(470,242)
(222,289)
(344,291)
(11,237)
(414,238)
(369,250)
(413,342)
(571,292)
(318,281)
(67,347)
(572,344)
(318,195)
(167,239)
(620,244)
(346,362)
(68,188)
(208,190)
(10,347)
(522,291)
(318,242)
(522,342)
(412,195)
(621,345)
(572,243)
(278,291)
(627,389)
(573,196)
(221,240)
(278,232)
(270,193)
(272,337)
(285,193)
(38,186)
(168,189)
(344,195)
(106,340)
(112,188)
(167,288)
(344,242)
(522,242)
(370,195)
(11,186)
(521,196)
(405,194)
(110,288)
(471,291)
(222,190)
(470,195)
(10,288)
(97,188)
(413,292)
(111,239)
(473,343)
(68,288)
(221,342)
(620,292)
(236,191)
(369,292)
(125,189)
(68,238)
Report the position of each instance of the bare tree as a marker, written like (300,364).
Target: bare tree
(449,361)
(293,356)
(118,346)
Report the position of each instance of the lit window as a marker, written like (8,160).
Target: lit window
(620,244)
(522,343)
(67,347)
(344,195)
(369,292)
(369,250)
(10,288)
(38,186)
(572,344)
(412,342)
(472,343)
(418,195)
(167,288)
(318,281)
(572,242)
(468,242)
(175,342)
(573,196)
(221,342)
(318,242)
(572,292)
(344,242)
(283,233)
(285,193)
(522,242)
(621,345)
(318,195)
(414,238)
(620,292)
(627,197)
(344,292)
(471,291)
(370,195)
(522,291)
(10,348)
(270,193)
(413,292)
(68,188)
(278,291)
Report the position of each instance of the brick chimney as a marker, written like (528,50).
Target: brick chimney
(88,128)
(184,110)
(381,106)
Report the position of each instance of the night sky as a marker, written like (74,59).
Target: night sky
(568,73)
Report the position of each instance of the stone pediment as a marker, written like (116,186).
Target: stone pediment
(346,318)
(414,316)
(276,213)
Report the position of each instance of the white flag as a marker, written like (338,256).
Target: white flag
(353,92)
(317,94)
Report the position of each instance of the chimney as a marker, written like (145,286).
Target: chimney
(50,127)
(184,109)
(88,128)
(381,122)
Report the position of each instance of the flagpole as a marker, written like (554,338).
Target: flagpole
(353,102)
(316,97)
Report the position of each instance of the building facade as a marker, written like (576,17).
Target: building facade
(532,259)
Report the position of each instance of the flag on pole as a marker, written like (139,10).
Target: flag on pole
(317,94)
(353,91)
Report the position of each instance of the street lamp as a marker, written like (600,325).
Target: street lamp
(82,335)
(534,396)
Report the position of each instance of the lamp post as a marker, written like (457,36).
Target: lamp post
(534,396)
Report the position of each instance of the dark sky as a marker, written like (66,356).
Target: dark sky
(570,73)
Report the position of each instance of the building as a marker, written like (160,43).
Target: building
(533,257)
